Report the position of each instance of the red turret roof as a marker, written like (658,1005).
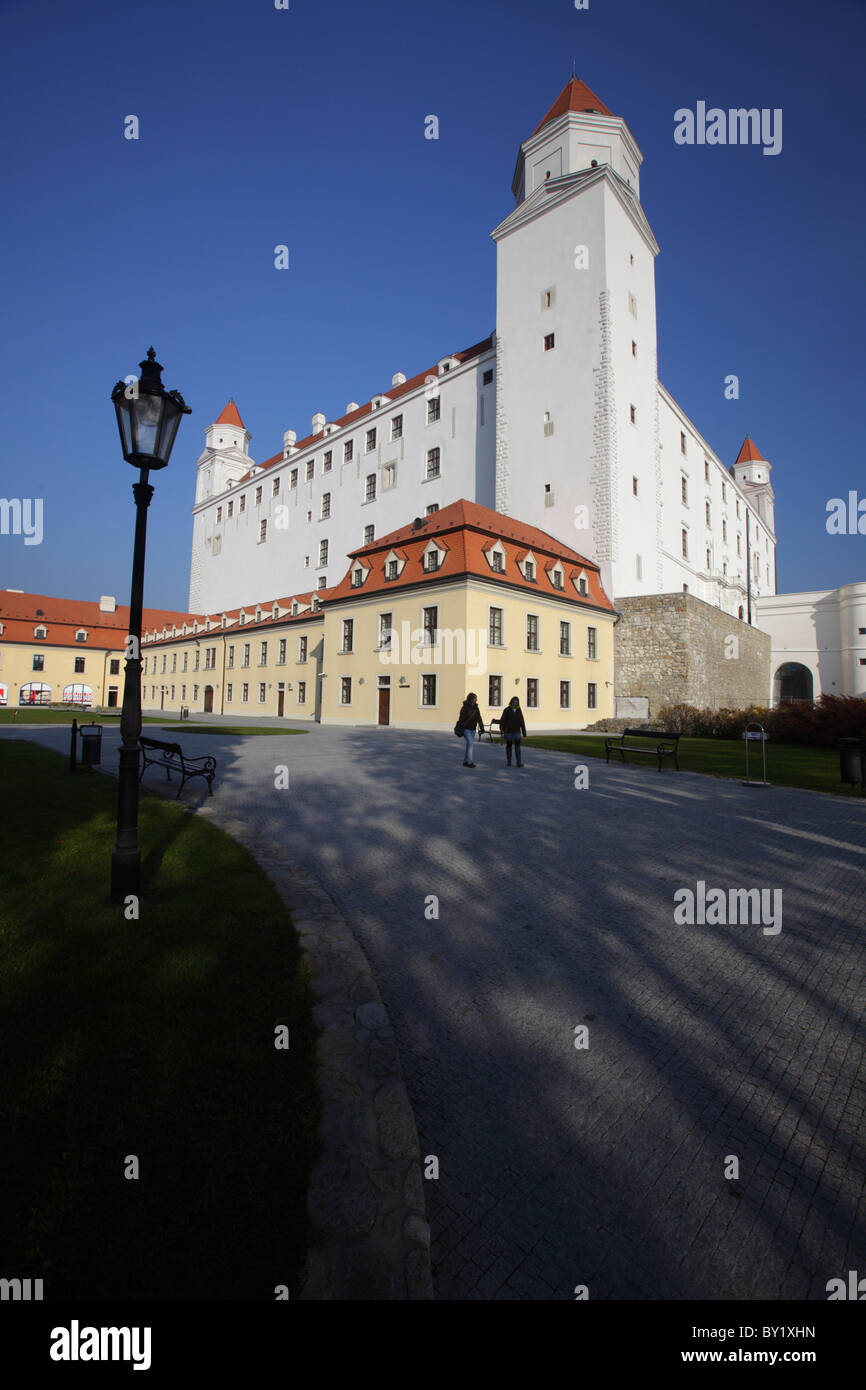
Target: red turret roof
(575,96)
(750,453)
(230,415)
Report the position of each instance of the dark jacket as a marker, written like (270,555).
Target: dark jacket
(470,717)
(512,721)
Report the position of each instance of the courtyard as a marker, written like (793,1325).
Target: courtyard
(597,1158)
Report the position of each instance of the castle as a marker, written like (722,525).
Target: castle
(557,419)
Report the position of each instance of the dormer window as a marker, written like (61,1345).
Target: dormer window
(42,632)
(498,563)
(357,578)
(431,561)
(294,609)
(582,586)
(224,621)
(80,636)
(529,569)
(275,611)
(258,615)
(391,569)
(556,578)
(242,619)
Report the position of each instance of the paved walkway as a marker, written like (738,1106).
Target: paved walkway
(602,1166)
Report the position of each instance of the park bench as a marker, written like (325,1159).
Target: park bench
(665,746)
(171,756)
(490,730)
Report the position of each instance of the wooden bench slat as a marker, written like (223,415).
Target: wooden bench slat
(172,756)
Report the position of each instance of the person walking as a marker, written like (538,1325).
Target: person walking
(468,721)
(511,726)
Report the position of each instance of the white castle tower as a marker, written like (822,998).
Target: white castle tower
(576,342)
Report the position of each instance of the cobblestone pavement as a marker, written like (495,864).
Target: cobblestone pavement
(602,1166)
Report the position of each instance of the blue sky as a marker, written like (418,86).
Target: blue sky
(306,127)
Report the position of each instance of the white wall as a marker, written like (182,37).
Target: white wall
(822,629)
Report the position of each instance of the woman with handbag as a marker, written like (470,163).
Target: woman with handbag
(469,720)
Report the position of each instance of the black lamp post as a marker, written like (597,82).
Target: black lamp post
(148,417)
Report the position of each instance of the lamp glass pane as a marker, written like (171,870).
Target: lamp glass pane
(148,417)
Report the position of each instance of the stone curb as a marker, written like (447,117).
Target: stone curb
(366,1198)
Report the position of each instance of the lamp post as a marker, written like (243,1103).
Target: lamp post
(148,417)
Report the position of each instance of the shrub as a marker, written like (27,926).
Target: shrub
(820,724)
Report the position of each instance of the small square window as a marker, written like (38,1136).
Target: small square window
(487,378)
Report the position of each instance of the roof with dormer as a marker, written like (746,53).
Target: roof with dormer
(465,532)
(575,96)
(63,617)
(391,396)
(750,453)
(230,415)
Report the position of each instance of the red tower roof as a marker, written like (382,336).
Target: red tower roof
(575,96)
(750,453)
(230,415)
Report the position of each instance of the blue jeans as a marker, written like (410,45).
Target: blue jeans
(469,735)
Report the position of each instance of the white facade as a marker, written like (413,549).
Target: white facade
(823,630)
(558,420)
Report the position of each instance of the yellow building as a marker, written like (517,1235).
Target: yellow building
(466,599)
(57,651)
(262,659)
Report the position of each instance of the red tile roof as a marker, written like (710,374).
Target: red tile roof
(267,620)
(575,96)
(750,453)
(21,613)
(393,393)
(466,531)
(230,415)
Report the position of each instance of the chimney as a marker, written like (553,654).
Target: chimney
(318,422)
(353,405)
(398,378)
(289,438)
(107,604)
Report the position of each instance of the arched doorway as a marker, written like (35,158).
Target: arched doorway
(208,699)
(793,681)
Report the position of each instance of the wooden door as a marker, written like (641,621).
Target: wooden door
(385,706)
(208,699)
(281,700)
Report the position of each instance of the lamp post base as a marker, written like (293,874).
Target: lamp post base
(125,874)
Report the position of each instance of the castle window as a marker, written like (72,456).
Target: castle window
(634,487)
(243,502)
(370,442)
(326,461)
(725,532)
(528,570)
(565,639)
(633,348)
(263,531)
(706,470)
(346,690)
(370,488)
(428,690)
(549,340)
(707,512)
(684,535)
(434,507)
(632,414)
(391,570)
(38,662)
(684,491)
(348,635)
(397,427)
(532,693)
(431,561)
(591,695)
(487,378)
(311,468)
(432,410)
(323,552)
(326,506)
(433,463)
(531,632)
(369,533)
(348,451)
(80,636)
(682,442)
(565,694)
(219,514)
(592,643)
(231,508)
(258,496)
(275,488)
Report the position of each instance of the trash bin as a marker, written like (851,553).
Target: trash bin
(184,712)
(91,744)
(852,761)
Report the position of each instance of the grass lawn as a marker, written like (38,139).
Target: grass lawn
(788,764)
(242,729)
(41,714)
(154,1038)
